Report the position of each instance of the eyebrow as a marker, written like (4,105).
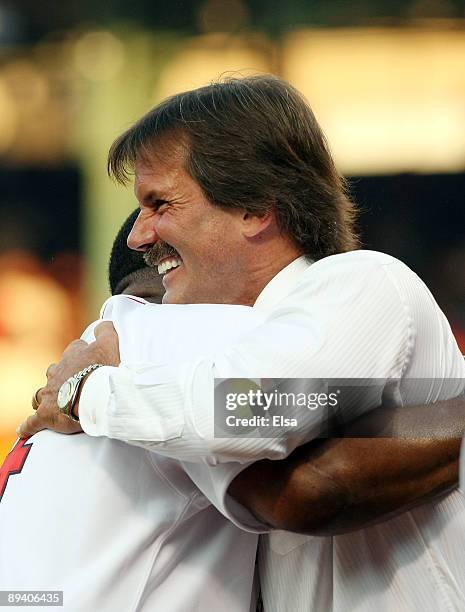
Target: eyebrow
(153,196)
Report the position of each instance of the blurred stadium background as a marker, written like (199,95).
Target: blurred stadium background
(386,79)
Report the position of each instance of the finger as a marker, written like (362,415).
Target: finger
(106,328)
(51,369)
(76,344)
(36,398)
(37,422)
(107,344)
(74,348)
(30,426)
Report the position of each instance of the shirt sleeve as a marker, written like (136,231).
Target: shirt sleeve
(337,323)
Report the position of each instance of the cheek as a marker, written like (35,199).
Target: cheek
(165,227)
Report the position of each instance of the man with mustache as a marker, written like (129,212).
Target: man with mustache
(238,179)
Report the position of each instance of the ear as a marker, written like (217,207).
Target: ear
(254,225)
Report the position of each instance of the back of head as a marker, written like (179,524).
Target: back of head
(253,144)
(127,271)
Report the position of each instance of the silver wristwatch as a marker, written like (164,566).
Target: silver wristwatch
(69,389)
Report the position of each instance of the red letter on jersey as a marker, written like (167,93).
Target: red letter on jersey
(13,463)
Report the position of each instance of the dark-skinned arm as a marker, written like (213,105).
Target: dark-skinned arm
(401,458)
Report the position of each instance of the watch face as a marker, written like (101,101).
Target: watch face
(65,393)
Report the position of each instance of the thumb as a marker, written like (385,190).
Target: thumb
(107,340)
(105,329)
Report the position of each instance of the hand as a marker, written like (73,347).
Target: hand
(76,357)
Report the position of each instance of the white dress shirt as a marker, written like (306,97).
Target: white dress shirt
(356,315)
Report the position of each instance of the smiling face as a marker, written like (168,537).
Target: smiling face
(209,265)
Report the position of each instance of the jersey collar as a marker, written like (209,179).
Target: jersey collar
(281,284)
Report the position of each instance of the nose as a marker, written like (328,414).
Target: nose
(143,234)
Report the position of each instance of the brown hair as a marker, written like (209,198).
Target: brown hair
(254,144)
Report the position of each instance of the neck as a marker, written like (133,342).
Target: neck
(263,268)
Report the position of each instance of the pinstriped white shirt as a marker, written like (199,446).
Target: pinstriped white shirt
(355,315)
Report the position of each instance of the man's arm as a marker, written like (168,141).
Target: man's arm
(339,485)
(332,486)
(313,333)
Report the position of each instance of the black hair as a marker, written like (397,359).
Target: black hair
(123,260)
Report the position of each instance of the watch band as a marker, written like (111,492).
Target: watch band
(78,378)
(80,375)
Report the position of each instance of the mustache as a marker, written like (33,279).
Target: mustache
(157,252)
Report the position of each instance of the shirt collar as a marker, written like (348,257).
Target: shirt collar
(281,284)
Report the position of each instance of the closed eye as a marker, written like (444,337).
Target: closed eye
(157,204)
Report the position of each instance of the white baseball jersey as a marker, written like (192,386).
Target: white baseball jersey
(118,528)
(356,315)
